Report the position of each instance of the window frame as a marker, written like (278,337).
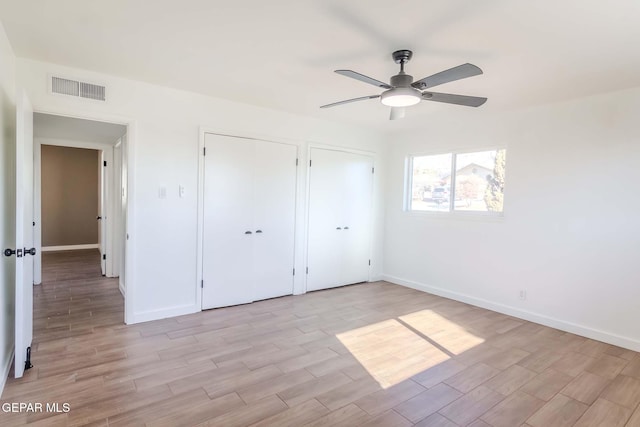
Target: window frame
(452,212)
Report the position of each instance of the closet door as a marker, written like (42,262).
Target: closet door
(340,193)
(357,189)
(274,198)
(324,256)
(228,221)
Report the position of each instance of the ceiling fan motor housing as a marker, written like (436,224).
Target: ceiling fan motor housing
(401,80)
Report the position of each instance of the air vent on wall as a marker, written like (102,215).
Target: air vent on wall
(76,88)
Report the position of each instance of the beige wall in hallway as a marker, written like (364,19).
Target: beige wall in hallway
(69,196)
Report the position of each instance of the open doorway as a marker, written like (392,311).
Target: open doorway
(80,210)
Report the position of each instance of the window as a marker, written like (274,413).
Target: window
(457,182)
(430,189)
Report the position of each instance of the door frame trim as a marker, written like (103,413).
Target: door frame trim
(130,243)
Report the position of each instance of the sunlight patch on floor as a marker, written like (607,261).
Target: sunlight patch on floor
(442,331)
(394,350)
(390,352)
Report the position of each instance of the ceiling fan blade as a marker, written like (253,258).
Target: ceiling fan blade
(362,98)
(456,73)
(448,98)
(397,113)
(363,78)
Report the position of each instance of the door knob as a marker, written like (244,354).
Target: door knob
(31,251)
(346,228)
(98,218)
(258,231)
(247,232)
(17,252)
(338,228)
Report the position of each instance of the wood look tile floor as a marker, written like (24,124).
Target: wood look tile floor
(365,355)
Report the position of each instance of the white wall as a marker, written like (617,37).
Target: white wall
(570,235)
(7,203)
(165,145)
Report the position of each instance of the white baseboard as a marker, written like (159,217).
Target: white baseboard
(147,316)
(70,247)
(585,331)
(121,287)
(5,371)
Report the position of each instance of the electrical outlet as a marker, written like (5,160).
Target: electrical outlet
(522,294)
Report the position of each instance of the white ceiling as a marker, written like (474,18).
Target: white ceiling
(72,129)
(281,53)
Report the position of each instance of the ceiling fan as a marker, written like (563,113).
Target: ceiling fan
(403,92)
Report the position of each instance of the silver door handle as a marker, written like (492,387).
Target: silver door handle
(247,232)
(346,228)
(338,228)
(258,231)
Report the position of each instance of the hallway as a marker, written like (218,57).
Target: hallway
(74,297)
(73,305)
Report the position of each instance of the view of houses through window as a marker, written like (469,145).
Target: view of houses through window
(458,181)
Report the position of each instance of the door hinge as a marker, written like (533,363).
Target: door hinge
(373,170)
(309,163)
(201,284)
(296,162)
(307,270)
(369,262)
(294,271)
(204,151)
(105,163)
(34,223)
(104,256)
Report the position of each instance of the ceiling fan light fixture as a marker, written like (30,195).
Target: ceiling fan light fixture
(402,91)
(401,97)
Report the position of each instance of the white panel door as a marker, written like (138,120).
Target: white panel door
(7,233)
(324,256)
(228,221)
(274,219)
(356,230)
(24,232)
